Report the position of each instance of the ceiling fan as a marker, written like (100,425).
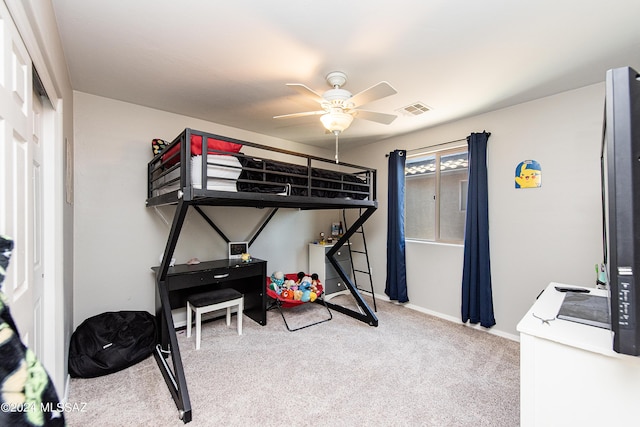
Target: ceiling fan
(340,107)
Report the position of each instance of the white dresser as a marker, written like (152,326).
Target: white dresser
(318,263)
(569,373)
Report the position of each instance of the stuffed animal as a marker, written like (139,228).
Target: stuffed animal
(277,280)
(305,286)
(315,292)
(290,284)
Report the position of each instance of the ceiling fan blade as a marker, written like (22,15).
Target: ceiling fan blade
(306,113)
(304,90)
(378,91)
(385,119)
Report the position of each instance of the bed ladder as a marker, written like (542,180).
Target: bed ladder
(363,258)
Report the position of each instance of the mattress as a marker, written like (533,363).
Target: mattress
(245,174)
(222,173)
(269,176)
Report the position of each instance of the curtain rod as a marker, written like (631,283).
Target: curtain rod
(437,145)
(431,146)
(442,143)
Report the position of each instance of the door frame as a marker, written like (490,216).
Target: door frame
(59,317)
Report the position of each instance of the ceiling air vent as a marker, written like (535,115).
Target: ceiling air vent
(414,109)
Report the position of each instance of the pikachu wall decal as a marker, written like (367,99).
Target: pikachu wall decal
(528,174)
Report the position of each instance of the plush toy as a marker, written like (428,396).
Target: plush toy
(277,280)
(314,283)
(290,284)
(305,286)
(315,289)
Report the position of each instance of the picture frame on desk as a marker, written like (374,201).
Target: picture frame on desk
(236,249)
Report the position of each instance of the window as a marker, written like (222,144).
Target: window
(436,197)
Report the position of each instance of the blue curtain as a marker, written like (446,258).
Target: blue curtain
(396,286)
(477,300)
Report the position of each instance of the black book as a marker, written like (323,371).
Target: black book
(586,308)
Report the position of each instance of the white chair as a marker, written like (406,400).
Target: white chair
(209,301)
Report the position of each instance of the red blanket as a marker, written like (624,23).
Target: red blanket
(196,148)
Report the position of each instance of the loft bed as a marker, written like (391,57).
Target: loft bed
(245,174)
(240,173)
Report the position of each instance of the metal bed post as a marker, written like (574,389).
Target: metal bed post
(367,314)
(175,380)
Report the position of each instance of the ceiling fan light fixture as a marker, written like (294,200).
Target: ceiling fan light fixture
(340,107)
(336,121)
(336,95)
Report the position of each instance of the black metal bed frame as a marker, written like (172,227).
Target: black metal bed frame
(187,196)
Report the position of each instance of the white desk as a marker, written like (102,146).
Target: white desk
(569,373)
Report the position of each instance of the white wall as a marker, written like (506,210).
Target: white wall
(118,239)
(537,235)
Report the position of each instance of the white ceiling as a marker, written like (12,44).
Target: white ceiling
(228,61)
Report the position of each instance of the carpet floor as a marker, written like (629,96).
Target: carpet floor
(411,370)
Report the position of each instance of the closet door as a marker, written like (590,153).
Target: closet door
(21,184)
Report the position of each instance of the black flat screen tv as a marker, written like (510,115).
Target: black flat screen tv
(621,205)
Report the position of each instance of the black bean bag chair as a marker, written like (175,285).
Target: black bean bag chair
(110,342)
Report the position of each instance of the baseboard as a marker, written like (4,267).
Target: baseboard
(451,319)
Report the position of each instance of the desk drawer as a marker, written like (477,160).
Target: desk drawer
(213,276)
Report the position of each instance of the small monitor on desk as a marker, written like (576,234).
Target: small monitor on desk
(236,249)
